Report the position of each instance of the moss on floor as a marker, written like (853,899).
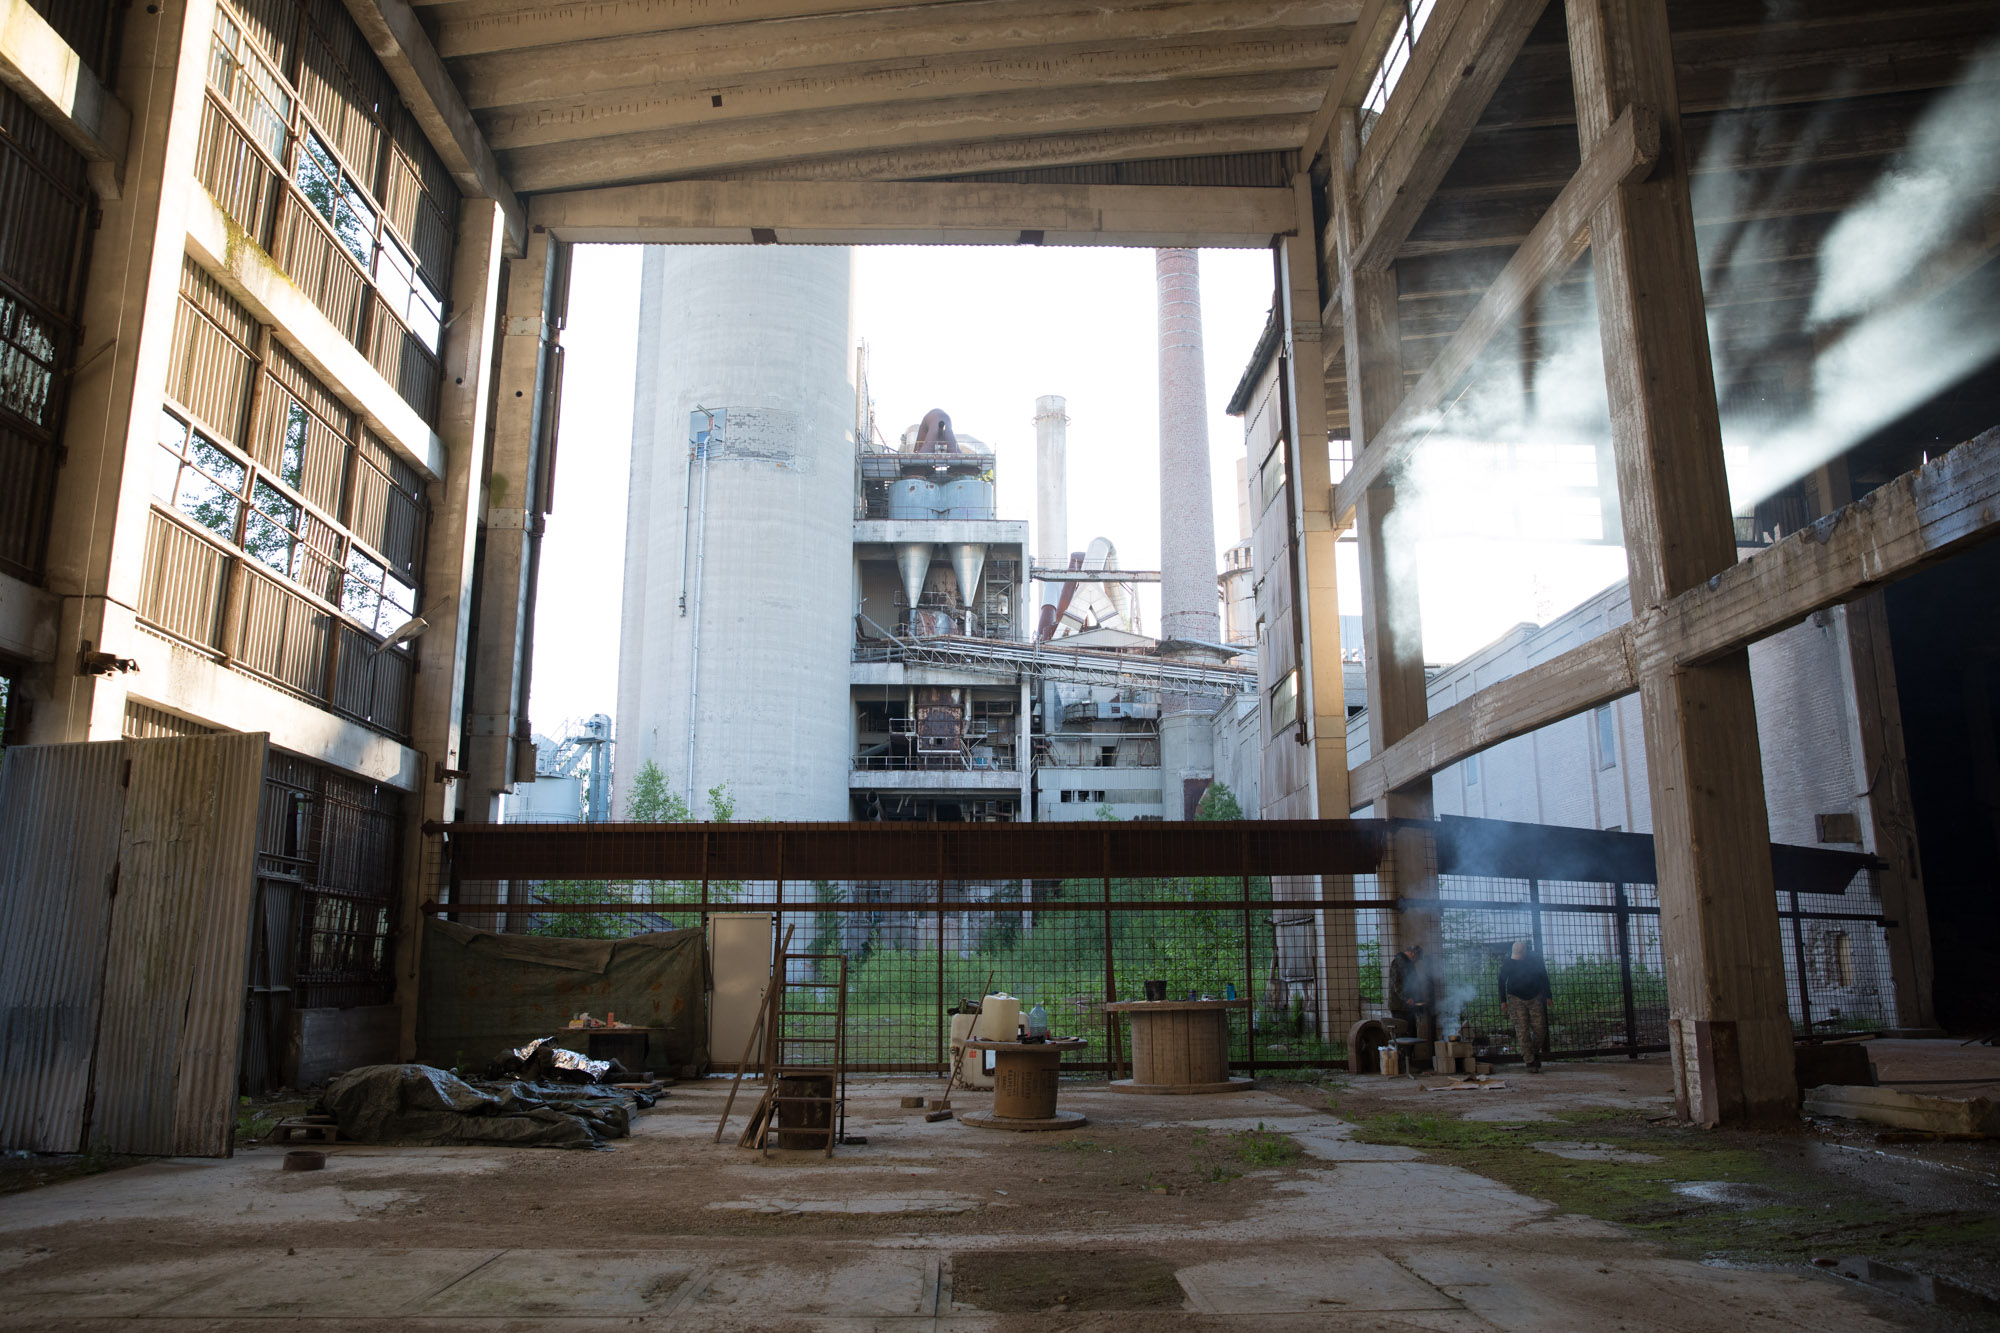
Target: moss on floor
(1707,1195)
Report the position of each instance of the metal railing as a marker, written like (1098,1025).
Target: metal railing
(253,122)
(224,603)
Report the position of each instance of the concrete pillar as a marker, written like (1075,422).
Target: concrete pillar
(438,692)
(1728,1022)
(497,721)
(103,492)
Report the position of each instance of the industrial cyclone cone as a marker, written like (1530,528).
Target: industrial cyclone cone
(1188,606)
(738,584)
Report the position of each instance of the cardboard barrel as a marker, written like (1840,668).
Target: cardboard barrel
(1024,1084)
(1180,1046)
(804,1124)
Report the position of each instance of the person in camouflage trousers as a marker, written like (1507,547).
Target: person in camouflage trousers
(1524,993)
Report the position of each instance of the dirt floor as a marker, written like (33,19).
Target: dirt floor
(1564,1201)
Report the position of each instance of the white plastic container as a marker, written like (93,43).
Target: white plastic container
(971,1064)
(999,1018)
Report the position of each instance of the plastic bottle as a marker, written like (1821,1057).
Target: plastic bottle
(1038,1022)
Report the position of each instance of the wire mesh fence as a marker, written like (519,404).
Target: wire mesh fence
(1312,952)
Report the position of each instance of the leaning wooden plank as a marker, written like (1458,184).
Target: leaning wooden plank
(1595,673)
(1917,519)
(1365,43)
(1921,517)
(1626,154)
(1414,145)
(1905,1110)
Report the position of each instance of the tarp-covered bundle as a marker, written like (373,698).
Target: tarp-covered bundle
(419,1104)
(484,992)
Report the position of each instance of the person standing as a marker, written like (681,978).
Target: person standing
(1524,993)
(1410,992)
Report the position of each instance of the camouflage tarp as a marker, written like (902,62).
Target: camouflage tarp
(483,993)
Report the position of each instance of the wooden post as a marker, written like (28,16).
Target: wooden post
(1729,1026)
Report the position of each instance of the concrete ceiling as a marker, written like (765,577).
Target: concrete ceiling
(581,95)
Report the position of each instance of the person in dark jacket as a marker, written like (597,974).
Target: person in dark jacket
(1410,991)
(1524,993)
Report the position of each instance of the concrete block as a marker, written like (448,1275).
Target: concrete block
(1905,1110)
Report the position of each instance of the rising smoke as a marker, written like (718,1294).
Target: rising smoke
(1498,501)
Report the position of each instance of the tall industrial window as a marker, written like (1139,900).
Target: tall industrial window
(1607,738)
(1285,702)
(1416,13)
(1471,767)
(1271,474)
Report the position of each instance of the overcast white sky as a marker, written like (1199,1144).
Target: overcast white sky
(982,331)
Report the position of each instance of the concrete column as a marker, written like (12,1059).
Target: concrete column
(1731,1033)
(1317,605)
(1024,749)
(438,692)
(1051,494)
(497,720)
(98,535)
(1187,498)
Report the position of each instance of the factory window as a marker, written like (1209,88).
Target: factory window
(1471,767)
(1285,702)
(198,477)
(1107,756)
(1607,738)
(1271,473)
(1068,797)
(1415,13)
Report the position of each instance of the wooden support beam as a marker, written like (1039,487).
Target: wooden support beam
(1729,1027)
(906,213)
(400,43)
(1908,524)
(1625,153)
(1451,77)
(1365,44)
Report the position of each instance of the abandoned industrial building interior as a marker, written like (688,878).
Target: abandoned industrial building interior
(1253,1026)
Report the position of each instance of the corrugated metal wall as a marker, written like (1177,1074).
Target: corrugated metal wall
(61,809)
(132,887)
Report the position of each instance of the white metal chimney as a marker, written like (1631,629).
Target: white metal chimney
(1051,488)
(1187,505)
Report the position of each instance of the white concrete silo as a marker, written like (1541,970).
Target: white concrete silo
(736,617)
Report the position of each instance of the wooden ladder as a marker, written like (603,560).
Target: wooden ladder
(802,1039)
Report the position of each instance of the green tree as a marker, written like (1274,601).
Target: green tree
(1218,802)
(650,802)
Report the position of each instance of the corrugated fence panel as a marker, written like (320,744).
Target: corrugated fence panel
(61,807)
(177,962)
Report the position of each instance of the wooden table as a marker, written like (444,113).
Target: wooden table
(627,1045)
(1025,1075)
(1179,1046)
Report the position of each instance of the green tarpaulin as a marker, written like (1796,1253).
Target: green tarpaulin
(483,993)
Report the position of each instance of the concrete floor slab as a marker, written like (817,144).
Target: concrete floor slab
(567,1282)
(249,1189)
(328,1283)
(1368,1282)
(869,1285)
(113,1290)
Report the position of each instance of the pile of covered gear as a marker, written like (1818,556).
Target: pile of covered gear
(422,1104)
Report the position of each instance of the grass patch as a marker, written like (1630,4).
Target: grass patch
(1262,1147)
(1744,1204)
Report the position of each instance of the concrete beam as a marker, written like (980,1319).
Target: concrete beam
(732,145)
(177,678)
(50,77)
(253,278)
(400,43)
(917,213)
(699,97)
(1267,134)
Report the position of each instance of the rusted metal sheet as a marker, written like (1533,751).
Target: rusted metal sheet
(172,1021)
(61,808)
(913,851)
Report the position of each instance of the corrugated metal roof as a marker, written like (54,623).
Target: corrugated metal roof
(61,808)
